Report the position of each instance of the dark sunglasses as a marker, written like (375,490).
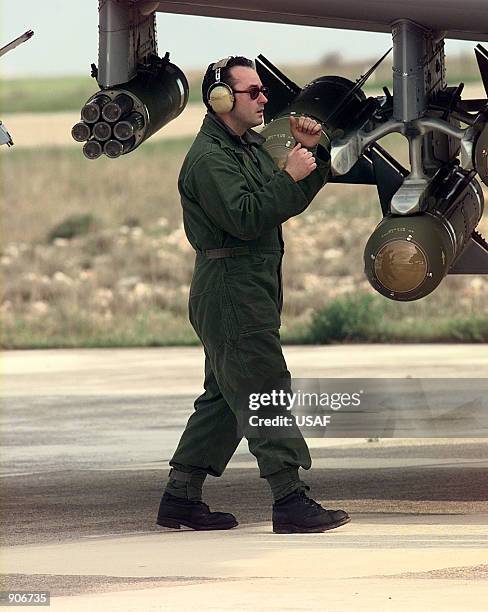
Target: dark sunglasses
(254,91)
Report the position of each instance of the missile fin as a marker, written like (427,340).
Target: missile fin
(376,167)
(389,174)
(5,137)
(482,57)
(357,87)
(362,173)
(474,258)
(283,90)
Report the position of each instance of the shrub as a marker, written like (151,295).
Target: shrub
(74,225)
(473,329)
(355,317)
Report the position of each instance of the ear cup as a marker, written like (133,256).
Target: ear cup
(221,98)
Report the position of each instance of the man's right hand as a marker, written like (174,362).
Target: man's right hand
(300,163)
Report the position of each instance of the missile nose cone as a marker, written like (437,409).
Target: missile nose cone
(113,149)
(80,132)
(405,257)
(120,105)
(102,131)
(127,128)
(400,266)
(90,113)
(123,130)
(92,149)
(111,112)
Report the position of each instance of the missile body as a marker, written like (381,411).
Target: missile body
(321,100)
(407,256)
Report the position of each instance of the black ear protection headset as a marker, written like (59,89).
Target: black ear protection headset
(220,95)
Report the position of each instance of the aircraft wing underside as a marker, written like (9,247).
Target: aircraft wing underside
(466,19)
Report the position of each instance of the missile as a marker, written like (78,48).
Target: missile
(81,131)
(102,131)
(317,100)
(123,130)
(337,103)
(407,256)
(115,148)
(120,105)
(92,149)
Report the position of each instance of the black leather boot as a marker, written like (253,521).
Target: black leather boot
(297,513)
(174,512)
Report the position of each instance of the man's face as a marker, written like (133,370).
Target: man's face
(247,113)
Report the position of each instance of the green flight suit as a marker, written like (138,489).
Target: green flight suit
(234,195)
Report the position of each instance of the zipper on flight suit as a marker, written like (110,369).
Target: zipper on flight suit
(252,163)
(280,272)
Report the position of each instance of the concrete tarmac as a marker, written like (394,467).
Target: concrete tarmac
(86,436)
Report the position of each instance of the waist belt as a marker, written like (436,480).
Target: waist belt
(235,252)
(226,252)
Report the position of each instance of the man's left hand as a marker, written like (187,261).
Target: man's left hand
(306,131)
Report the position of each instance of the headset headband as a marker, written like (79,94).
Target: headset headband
(217,67)
(222,64)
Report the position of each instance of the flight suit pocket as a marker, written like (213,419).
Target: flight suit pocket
(205,310)
(238,265)
(251,292)
(213,317)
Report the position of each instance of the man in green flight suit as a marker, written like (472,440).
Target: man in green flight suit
(234,200)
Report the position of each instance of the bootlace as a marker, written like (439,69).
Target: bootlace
(200,503)
(309,501)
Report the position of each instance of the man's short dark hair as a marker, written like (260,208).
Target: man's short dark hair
(225,76)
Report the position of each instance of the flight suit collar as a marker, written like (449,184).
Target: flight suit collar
(216,128)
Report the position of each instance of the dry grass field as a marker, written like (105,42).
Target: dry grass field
(57,94)
(117,272)
(94,253)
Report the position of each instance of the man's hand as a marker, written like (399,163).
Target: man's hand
(300,163)
(306,131)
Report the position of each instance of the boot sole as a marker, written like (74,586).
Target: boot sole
(176,524)
(290,528)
